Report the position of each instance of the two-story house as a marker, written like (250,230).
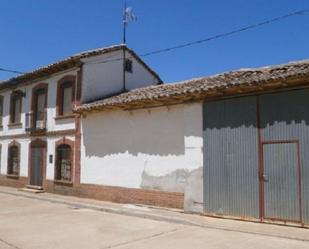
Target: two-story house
(101,125)
(39,134)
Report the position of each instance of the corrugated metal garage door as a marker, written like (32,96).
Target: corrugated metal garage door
(285,118)
(231,157)
(281,189)
(234,142)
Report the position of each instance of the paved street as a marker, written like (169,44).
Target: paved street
(30,223)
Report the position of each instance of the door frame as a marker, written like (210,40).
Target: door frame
(298,178)
(38,143)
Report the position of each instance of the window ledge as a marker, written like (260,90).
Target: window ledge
(12,176)
(62,182)
(69,116)
(38,132)
(15,125)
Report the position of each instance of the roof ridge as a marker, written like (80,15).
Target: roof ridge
(194,88)
(273,66)
(68,63)
(93,50)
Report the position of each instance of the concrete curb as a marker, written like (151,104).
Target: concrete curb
(152,216)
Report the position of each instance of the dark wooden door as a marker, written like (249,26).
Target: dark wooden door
(37,161)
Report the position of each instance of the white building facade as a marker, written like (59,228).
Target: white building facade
(40,135)
(230,145)
(145,155)
(97,126)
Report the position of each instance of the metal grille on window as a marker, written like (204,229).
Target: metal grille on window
(64,163)
(13,161)
(66,170)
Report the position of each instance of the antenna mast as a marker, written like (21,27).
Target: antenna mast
(124,21)
(127,17)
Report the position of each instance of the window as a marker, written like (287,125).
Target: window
(1,110)
(129,66)
(40,106)
(16,105)
(65,98)
(63,163)
(39,102)
(13,160)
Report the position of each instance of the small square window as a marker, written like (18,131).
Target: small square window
(129,66)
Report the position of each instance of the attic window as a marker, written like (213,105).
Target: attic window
(129,66)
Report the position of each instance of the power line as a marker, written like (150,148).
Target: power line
(276,19)
(211,38)
(10,71)
(215,37)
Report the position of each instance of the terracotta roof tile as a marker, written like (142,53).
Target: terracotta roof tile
(67,63)
(195,88)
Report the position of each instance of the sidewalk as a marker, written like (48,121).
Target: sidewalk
(168,215)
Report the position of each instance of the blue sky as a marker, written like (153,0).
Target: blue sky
(37,32)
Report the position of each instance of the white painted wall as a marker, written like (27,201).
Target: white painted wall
(135,148)
(24,145)
(24,155)
(51,146)
(104,79)
(52,123)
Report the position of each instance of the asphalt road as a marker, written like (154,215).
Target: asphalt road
(27,223)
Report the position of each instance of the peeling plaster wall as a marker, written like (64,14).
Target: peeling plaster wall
(157,148)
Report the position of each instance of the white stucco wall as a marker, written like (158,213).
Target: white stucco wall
(52,123)
(24,145)
(148,148)
(24,155)
(51,147)
(104,79)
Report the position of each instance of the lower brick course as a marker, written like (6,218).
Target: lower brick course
(16,182)
(106,193)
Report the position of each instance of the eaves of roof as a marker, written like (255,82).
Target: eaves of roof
(68,63)
(237,82)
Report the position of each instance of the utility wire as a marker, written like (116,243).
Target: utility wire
(276,19)
(211,38)
(10,71)
(218,36)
